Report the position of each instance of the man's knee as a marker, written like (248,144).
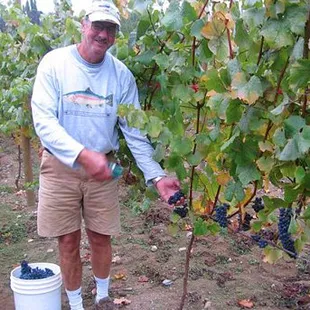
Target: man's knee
(69,243)
(98,240)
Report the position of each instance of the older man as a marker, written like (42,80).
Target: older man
(75,99)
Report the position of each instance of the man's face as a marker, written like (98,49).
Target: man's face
(98,37)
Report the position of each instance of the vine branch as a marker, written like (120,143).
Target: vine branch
(185,280)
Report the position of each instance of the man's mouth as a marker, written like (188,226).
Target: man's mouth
(101,42)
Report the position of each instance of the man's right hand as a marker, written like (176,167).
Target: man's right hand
(95,165)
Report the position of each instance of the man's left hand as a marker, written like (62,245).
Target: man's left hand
(167,187)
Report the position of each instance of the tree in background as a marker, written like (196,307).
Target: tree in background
(32,12)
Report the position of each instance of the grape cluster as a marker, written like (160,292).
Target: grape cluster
(28,273)
(285,237)
(258,204)
(181,210)
(175,197)
(262,243)
(246,225)
(221,215)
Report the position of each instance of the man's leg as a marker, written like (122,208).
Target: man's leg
(101,257)
(101,253)
(71,267)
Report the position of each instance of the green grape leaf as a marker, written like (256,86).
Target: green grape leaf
(300,74)
(143,25)
(219,47)
(254,17)
(173,16)
(182,146)
(297,18)
(293,125)
(300,174)
(162,61)
(154,126)
(257,226)
(265,164)
(145,58)
(200,227)
(195,159)
(247,173)
(234,112)
(290,194)
(141,5)
(279,138)
(293,228)
(159,152)
(234,190)
(196,29)
(276,34)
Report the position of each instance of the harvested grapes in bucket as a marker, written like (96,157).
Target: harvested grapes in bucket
(28,273)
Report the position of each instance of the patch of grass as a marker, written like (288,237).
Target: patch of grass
(222,259)
(13,226)
(6,189)
(140,242)
(253,262)
(239,246)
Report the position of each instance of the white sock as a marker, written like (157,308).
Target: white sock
(102,286)
(75,299)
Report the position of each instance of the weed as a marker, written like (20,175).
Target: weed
(6,189)
(222,259)
(253,261)
(12,229)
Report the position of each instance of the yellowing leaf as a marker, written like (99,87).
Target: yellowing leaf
(120,276)
(211,93)
(272,255)
(223,178)
(216,27)
(265,146)
(249,91)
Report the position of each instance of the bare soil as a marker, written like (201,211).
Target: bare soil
(224,270)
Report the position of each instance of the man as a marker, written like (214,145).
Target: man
(74,104)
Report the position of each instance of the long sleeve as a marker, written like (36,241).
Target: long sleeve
(44,103)
(139,144)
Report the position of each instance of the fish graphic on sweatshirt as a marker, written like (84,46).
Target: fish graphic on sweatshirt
(88,98)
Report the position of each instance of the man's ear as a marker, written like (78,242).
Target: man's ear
(83,24)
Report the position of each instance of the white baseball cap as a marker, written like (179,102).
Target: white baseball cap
(103,10)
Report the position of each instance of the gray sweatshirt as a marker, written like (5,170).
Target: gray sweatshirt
(74,105)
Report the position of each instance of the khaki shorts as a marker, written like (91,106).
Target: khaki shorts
(66,196)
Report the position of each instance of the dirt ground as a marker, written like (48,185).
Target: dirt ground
(224,270)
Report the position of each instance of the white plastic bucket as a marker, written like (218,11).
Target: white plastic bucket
(39,294)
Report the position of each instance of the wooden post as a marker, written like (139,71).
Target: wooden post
(26,148)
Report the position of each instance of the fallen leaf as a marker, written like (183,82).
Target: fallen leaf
(120,276)
(121,301)
(246,303)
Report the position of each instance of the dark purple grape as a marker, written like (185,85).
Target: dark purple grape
(258,204)
(221,215)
